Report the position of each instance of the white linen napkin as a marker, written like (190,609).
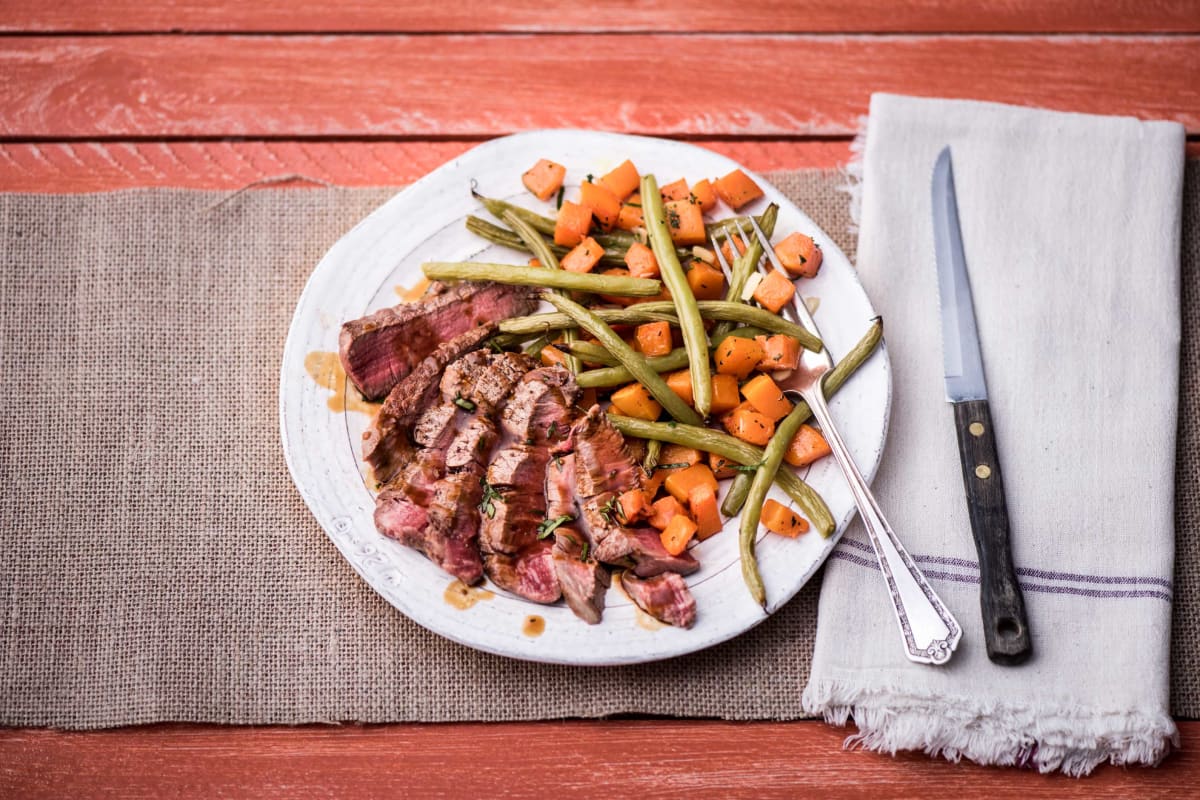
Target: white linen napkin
(1071,226)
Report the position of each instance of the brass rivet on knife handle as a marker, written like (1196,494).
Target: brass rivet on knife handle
(1006,632)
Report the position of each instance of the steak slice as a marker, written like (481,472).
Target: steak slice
(387,445)
(379,350)
(542,409)
(599,517)
(529,573)
(560,487)
(584,582)
(450,538)
(664,597)
(509,523)
(537,413)
(484,380)
(641,549)
(602,464)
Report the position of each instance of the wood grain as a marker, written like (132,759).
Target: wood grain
(644,759)
(454,86)
(772,16)
(105,166)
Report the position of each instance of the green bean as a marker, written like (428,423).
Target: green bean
(723,444)
(504,340)
(764,476)
(694,337)
(535,346)
(735,498)
(498,208)
(619,375)
(506,238)
(653,450)
(656,310)
(516,275)
(541,251)
(745,265)
(617,241)
(637,366)
(590,351)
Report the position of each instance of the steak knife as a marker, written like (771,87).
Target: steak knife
(1005,628)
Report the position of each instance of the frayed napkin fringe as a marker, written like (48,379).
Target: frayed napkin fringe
(852,175)
(1074,741)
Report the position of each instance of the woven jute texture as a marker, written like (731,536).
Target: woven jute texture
(158,563)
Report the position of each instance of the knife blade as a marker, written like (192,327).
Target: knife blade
(1005,626)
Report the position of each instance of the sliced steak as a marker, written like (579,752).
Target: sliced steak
(602,464)
(599,516)
(542,409)
(583,584)
(401,508)
(472,445)
(664,597)
(641,549)
(520,466)
(537,413)
(450,538)
(379,350)
(484,380)
(560,487)
(529,573)
(509,523)
(387,443)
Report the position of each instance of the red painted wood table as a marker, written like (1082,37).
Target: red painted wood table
(218,94)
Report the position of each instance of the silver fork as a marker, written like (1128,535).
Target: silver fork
(929,630)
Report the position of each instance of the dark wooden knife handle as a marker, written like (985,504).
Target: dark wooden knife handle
(1005,628)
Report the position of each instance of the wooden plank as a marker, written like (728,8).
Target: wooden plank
(384,86)
(644,759)
(770,16)
(105,166)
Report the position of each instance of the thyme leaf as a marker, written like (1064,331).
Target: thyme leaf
(547,526)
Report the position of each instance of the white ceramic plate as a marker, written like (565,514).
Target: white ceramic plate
(424,222)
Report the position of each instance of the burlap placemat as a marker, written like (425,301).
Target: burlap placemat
(159,564)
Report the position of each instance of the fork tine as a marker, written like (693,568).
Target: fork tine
(725,268)
(797,309)
(767,249)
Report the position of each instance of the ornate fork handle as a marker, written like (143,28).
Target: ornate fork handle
(929,629)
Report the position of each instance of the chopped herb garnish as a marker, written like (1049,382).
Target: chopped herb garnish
(746,467)
(488,504)
(634,205)
(671,424)
(608,508)
(583,554)
(463,403)
(547,526)
(558,201)
(590,179)
(673,218)
(552,430)
(677,465)
(495,346)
